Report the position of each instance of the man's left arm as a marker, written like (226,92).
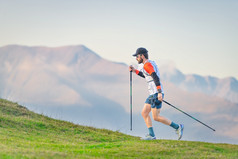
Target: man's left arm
(150,69)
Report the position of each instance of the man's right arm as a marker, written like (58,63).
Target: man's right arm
(140,73)
(131,68)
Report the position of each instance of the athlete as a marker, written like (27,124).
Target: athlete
(153,103)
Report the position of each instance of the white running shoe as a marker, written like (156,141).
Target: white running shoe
(148,137)
(179,131)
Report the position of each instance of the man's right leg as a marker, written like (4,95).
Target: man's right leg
(145,113)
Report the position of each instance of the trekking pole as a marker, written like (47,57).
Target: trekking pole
(188,115)
(131,100)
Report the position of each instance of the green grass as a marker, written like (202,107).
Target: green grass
(25,134)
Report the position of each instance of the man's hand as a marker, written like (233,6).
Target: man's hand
(131,68)
(160,97)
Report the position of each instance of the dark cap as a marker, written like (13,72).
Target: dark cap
(140,50)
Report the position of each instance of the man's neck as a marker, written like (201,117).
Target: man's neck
(145,61)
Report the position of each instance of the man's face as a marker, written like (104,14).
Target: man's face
(139,59)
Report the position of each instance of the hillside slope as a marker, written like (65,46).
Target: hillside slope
(25,134)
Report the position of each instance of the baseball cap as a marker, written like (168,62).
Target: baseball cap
(140,50)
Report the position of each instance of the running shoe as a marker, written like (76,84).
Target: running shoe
(148,137)
(179,131)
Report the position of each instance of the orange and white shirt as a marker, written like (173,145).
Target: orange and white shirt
(151,73)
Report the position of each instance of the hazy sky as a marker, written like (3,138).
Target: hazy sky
(199,36)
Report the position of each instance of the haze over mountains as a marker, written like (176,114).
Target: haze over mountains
(226,88)
(74,83)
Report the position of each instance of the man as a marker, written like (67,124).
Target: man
(153,103)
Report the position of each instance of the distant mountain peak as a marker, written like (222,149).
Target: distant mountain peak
(226,88)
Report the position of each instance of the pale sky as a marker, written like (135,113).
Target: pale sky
(199,36)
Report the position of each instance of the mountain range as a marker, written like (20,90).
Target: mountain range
(74,83)
(226,88)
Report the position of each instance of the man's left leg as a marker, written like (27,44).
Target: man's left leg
(156,116)
(178,127)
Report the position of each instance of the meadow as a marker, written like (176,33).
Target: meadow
(25,134)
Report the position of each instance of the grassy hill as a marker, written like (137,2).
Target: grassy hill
(25,134)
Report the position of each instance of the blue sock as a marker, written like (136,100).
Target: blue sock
(151,131)
(174,125)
